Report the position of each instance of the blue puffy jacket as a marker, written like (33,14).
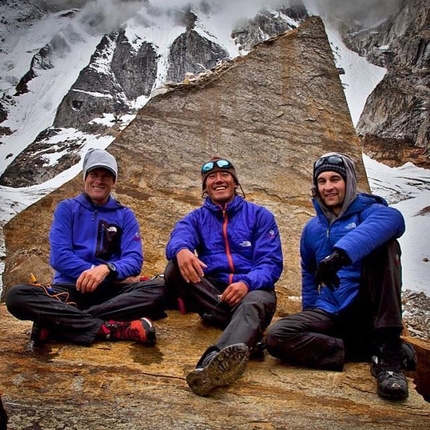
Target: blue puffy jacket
(366,225)
(83,235)
(239,243)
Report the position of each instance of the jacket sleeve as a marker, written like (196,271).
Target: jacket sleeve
(379,224)
(131,259)
(62,257)
(267,262)
(308,267)
(183,236)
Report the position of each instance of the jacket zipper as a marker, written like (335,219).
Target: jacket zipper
(227,245)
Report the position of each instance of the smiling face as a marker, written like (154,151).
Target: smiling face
(331,188)
(220,186)
(98,185)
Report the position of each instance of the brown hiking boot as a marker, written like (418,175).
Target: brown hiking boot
(140,330)
(218,368)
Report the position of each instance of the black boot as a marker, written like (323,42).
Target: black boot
(387,368)
(218,368)
(3,417)
(410,360)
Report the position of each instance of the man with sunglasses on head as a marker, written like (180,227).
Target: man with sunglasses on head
(351,284)
(96,252)
(224,260)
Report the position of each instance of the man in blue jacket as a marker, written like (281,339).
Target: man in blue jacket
(96,252)
(225,258)
(351,283)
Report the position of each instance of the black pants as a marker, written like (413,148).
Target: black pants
(75,317)
(314,338)
(243,323)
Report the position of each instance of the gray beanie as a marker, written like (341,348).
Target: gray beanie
(331,162)
(99,159)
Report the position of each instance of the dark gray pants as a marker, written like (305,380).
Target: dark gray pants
(243,323)
(314,338)
(76,317)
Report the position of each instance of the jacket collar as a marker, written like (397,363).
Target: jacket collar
(231,207)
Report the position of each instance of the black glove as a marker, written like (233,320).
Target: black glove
(326,273)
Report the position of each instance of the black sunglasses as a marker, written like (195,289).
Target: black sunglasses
(331,159)
(222,164)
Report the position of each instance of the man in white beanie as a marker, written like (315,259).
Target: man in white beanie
(96,252)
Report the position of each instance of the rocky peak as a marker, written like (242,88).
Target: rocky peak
(395,125)
(268,23)
(192,53)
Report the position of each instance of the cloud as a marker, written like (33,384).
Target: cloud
(368,12)
(103,16)
(106,15)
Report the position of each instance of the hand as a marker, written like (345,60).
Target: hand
(90,279)
(234,293)
(190,266)
(326,273)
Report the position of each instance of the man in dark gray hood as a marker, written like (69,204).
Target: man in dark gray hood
(351,283)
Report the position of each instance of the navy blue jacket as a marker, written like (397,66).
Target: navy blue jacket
(367,224)
(238,243)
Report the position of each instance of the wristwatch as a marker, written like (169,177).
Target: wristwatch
(112,269)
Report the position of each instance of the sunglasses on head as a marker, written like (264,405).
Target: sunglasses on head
(331,159)
(222,164)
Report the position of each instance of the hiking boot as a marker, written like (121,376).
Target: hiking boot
(140,330)
(410,360)
(218,368)
(3,416)
(39,335)
(257,352)
(387,369)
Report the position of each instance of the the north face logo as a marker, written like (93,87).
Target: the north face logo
(350,226)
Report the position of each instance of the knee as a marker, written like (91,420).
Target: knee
(279,334)
(15,299)
(272,338)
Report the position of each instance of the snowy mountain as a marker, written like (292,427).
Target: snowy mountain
(55,59)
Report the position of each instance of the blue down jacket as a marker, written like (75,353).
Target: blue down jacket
(83,235)
(366,225)
(239,243)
